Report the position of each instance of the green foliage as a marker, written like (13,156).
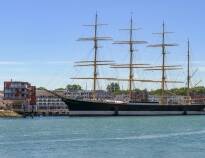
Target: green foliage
(73,87)
(180,91)
(199,90)
(155,92)
(113,87)
(59,89)
(139,90)
(40,88)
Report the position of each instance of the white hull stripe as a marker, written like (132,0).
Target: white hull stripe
(108,113)
(133,113)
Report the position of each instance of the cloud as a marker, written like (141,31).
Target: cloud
(59,62)
(34,62)
(196,62)
(11,63)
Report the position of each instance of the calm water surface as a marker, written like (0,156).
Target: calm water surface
(103,137)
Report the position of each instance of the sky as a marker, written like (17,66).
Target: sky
(38,39)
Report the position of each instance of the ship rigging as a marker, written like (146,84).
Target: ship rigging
(79,107)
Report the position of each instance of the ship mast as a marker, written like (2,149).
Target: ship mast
(95,57)
(188,70)
(95,62)
(163,64)
(131,42)
(163,68)
(188,73)
(131,59)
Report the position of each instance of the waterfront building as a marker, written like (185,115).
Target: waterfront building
(20,91)
(48,104)
(2,103)
(1,95)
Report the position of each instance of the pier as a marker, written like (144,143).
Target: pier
(32,113)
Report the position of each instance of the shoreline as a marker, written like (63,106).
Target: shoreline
(9,113)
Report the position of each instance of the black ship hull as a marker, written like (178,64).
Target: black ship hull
(91,108)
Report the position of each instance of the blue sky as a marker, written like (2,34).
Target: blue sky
(38,38)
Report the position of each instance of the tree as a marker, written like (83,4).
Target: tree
(59,89)
(73,87)
(180,91)
(113,87)
(40,88)
(136,90)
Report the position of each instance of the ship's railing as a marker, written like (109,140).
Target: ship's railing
(185,101)
(189,101)
(199,100)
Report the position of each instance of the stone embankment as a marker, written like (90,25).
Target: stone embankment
(9,113)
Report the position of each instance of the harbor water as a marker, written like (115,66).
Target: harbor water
(103,137)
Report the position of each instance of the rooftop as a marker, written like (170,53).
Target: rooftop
(47,94)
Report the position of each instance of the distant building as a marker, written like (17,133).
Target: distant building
(136,96)
(141,96)
(2,103)
(78,94)
(1,95)
(87,94)
(198,98)
(173,99)
(48,103)
(122,97)
(20,91)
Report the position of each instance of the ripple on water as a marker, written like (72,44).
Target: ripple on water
(120,137)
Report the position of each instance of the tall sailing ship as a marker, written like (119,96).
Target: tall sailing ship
(95,107)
